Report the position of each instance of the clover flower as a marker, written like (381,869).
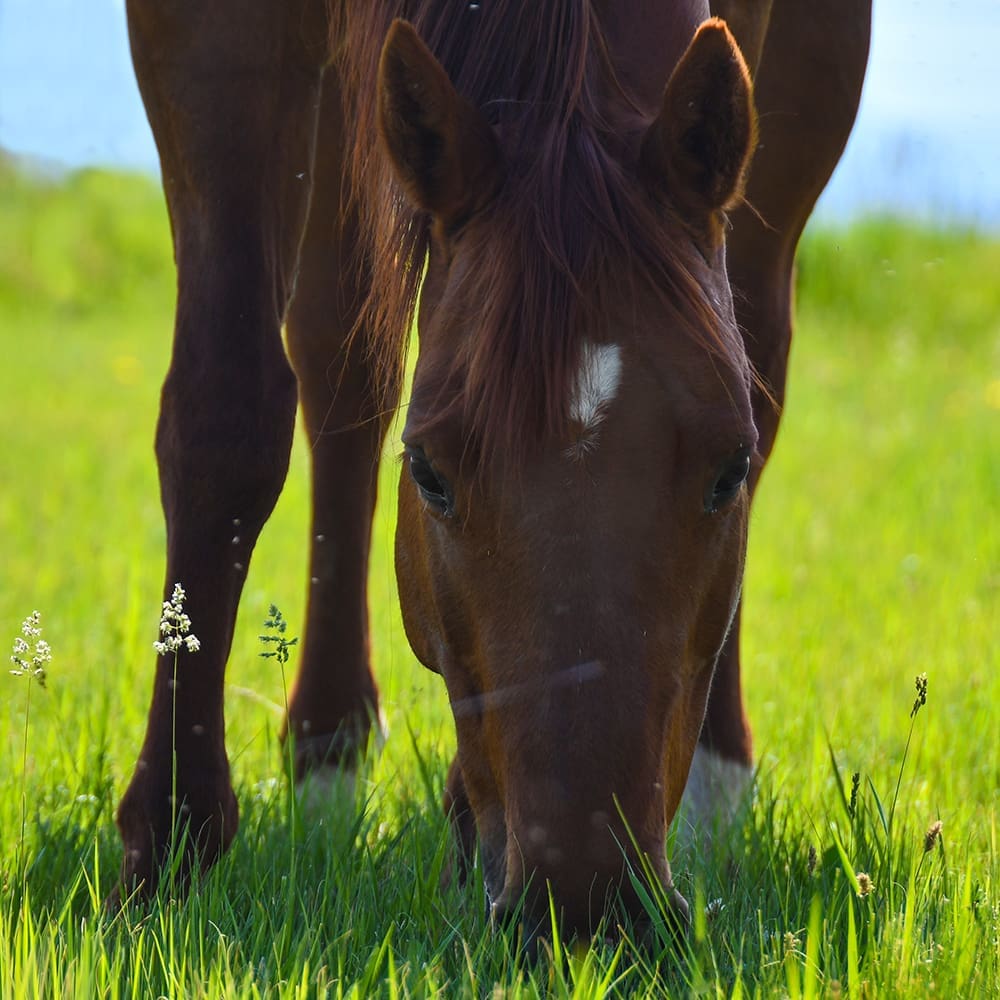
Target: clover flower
(175,626)
(31,652)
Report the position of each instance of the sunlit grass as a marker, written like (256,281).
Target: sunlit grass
(875,557)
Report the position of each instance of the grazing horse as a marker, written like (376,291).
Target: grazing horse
(604,317)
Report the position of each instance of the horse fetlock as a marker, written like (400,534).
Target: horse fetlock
(327,764)
(338,747)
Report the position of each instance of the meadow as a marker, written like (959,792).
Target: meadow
(874,558)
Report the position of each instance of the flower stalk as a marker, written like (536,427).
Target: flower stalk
(30,655)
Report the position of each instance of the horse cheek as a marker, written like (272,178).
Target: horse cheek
(413,576)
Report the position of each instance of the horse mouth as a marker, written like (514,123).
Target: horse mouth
(635,902)
(664,918)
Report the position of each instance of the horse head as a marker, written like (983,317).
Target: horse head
(572,510)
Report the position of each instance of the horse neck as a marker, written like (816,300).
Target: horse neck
(647,42)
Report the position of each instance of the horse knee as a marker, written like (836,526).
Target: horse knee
(223,441)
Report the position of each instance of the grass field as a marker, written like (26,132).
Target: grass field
(875,557)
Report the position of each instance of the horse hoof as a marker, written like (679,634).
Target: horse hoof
(326,768)
(326,792)
(163,844)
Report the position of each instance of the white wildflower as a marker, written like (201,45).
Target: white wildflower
(31,626)
(30,661)
(175,626)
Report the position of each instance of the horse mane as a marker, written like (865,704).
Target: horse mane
(566,215)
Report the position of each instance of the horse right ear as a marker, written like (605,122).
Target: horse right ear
(444,152)
(700,145)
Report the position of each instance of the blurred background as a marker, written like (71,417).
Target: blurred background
(926,145)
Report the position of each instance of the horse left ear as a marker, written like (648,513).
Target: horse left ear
(444,152)
(700,145)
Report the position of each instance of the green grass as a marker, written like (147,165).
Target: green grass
(875,556)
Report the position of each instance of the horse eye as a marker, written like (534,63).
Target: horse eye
(433,488)
(730,478)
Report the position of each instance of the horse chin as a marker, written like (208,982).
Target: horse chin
(525,910)
(636,925)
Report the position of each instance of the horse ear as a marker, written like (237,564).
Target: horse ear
(700,145)
(444,152)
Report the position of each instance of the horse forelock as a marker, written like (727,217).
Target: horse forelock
(551,260)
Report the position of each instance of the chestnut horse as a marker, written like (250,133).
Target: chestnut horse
(604,320)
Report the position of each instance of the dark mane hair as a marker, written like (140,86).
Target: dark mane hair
(542,75)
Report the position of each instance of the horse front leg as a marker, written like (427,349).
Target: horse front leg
(231,97)
(346,411)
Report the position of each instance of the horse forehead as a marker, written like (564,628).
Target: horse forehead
(710,398)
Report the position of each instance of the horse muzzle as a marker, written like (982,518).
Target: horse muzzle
(585,886)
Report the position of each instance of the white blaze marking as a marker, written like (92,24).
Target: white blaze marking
(715,792)
(596,383)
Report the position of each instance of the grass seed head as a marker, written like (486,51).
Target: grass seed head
(865,883)
(932,835)
(921,699)
(31,652)
(277,626)
(175,626)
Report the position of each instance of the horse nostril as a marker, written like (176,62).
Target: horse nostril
(667,928)
(502,914)
(510,918)
(681,910)
(670,927)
